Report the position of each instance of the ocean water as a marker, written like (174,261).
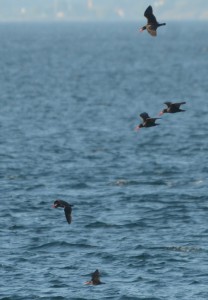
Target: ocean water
(71,95)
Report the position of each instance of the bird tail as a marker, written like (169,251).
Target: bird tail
(162,24)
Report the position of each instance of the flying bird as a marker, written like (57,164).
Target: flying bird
(147,121)
(152,23)
(67,209)
(172,108)
(95,280)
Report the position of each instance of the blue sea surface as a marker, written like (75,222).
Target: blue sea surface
(71,95)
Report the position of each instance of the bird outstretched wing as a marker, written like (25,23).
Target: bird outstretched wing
(149,15)
(144,116)
(151,121)
(68,211)
(168,103)
(178,104)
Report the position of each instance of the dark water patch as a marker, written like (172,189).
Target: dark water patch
(126,297)
(62,245)
(33,297)
(81,185)
(14,297)
(98,224)
(35,187)
(57,284)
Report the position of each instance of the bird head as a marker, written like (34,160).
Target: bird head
(56,204)
(142,28)
(163,112)
(138,127)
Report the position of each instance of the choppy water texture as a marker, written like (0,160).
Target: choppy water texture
(71,95)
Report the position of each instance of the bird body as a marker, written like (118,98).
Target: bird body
(172,108)
(67,208)
(147,121)
(95,280)
(152,23)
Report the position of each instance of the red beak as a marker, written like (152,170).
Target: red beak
(88,282)
(160,114)
(136,128)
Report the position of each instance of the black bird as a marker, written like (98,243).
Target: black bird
(147,121)
(67,209)
(95,280)
(152,23)
(172,108)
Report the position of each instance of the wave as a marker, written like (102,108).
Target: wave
(63,244)
(184,248)
(126,182)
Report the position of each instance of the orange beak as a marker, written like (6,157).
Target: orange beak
(137,128)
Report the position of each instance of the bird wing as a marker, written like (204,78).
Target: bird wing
(61,203)
(68,211)
(96,277)
(149,15)
(144,116)
(151,120)
(178,104)
(168,103)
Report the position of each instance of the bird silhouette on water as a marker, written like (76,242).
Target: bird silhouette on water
(147,121)
(67,209)
(95,280)
(172,108)
(152,23)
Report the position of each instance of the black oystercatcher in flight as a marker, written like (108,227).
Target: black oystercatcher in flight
(95,280)
(152,23)
(67,209)
(147,121)
(172,108)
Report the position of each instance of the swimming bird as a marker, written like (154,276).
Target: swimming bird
(67,209)
(147,121)
(95,280)
(172,108)
(152,23)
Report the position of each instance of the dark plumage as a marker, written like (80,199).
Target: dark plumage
(152,23)
(147,121)
(95,280)
(67,209)
(172,108)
